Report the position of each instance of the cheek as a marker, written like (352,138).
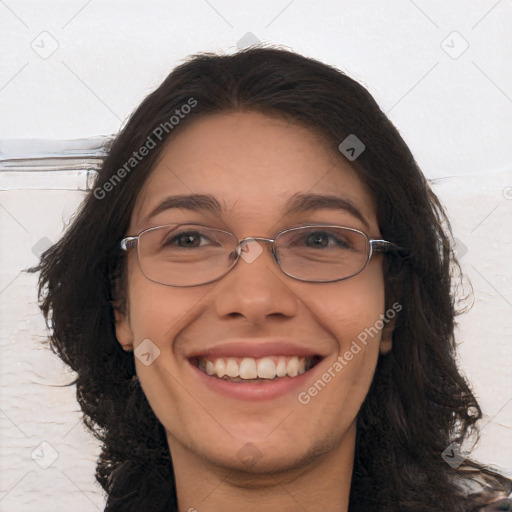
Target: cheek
(351,312)
(157,311)
(161,314)
(157,315)
(350,307)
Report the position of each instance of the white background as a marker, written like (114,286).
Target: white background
(454,109)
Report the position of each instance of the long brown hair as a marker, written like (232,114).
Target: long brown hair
(418,402)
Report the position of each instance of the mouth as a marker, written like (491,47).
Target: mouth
(254,370)
(250,369)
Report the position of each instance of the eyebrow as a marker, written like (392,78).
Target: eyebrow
(192,202)
(298,203)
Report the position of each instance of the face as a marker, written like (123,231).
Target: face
(254,166)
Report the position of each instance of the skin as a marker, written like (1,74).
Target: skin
(252,164)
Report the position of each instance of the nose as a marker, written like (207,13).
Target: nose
(255,288)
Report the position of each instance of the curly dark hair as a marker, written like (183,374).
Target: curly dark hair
(418,402)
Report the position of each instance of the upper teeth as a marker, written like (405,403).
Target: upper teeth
(268,367)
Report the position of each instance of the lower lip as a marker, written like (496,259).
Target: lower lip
(255,391)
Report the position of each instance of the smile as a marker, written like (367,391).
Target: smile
(242,369)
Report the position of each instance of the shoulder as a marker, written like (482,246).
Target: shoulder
(503,504)
(487,489)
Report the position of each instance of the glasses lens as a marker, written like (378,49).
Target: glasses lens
(322,253)
(185,255)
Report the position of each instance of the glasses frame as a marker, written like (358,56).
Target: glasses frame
(374,246)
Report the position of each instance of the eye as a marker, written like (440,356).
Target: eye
(319,239)
(325,239)
(187,240)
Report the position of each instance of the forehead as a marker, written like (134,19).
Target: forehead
(252,163)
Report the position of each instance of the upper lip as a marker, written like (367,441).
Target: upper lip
(255,349)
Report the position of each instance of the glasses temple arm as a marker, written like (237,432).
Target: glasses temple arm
(128,242)
(384,246)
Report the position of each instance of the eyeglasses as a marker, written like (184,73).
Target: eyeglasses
(193,254)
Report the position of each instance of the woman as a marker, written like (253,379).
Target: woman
(256,300)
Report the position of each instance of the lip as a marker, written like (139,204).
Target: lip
(255,391)
(255,350)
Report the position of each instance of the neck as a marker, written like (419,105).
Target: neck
(319,479)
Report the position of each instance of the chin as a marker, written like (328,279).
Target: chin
(256,456)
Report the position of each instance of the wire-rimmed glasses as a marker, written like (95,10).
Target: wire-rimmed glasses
(194,254)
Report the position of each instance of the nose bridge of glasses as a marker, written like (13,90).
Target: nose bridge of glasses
(256,239)
(245,243)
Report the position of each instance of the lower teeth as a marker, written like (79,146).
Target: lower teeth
(238,379)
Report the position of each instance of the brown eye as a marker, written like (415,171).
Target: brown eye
(319,240)
(186,239)
(325,239)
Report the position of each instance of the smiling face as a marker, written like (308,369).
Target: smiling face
(257,172)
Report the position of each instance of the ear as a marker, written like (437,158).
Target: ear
(393,293)
(386,340)
(124,332)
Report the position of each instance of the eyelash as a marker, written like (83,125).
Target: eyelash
(174,240)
